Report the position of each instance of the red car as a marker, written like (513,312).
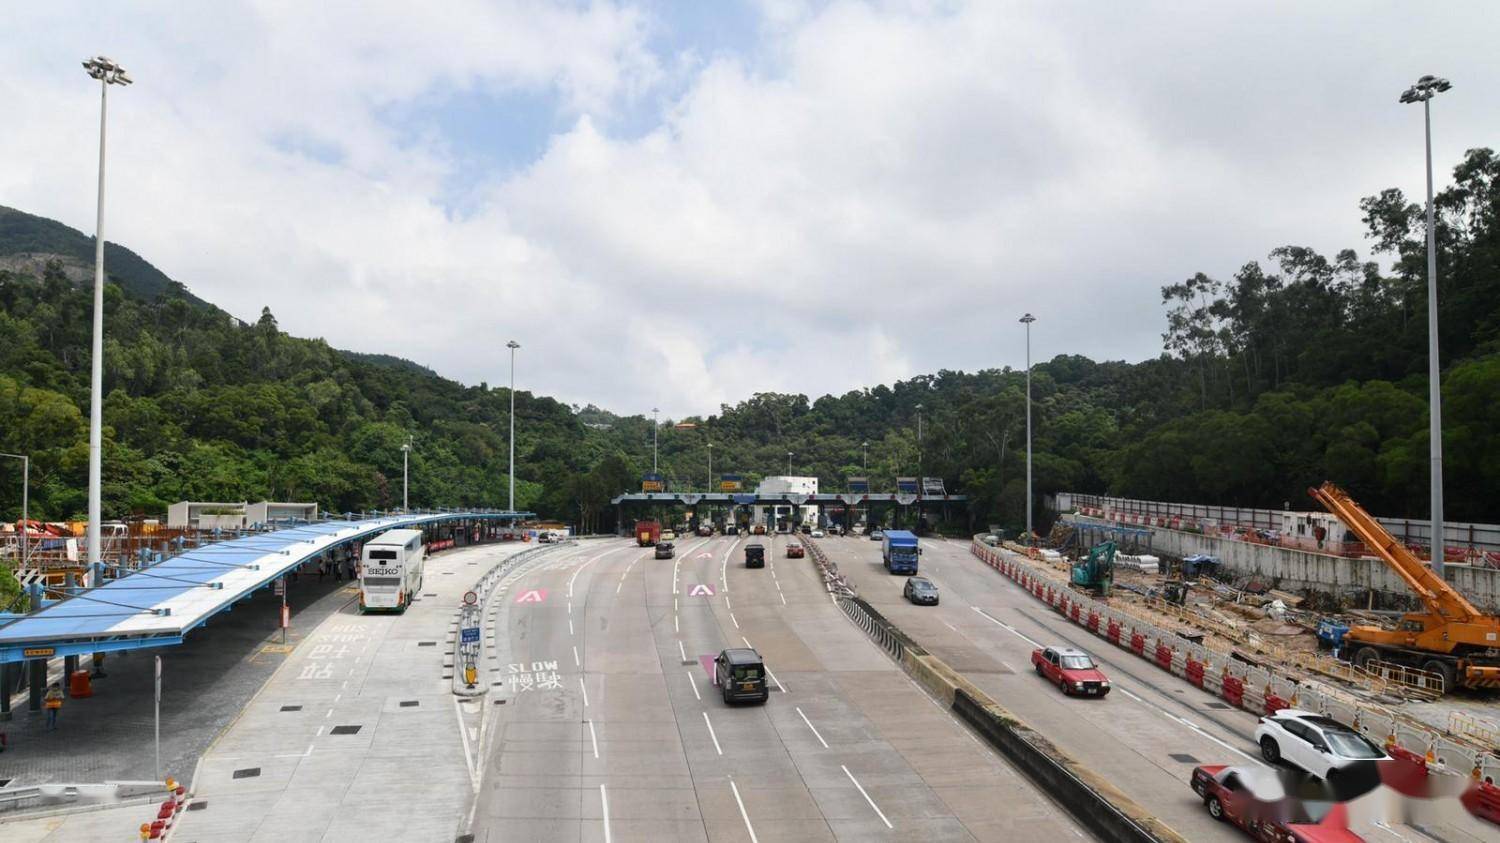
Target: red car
(1254,800)
(795,550)
(1070,669)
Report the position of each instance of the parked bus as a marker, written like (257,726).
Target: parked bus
(391,571)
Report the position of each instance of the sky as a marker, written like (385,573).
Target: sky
(680,204)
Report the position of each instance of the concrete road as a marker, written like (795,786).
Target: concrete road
(611,728)
(1146,736)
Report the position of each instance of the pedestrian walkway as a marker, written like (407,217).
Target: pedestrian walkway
(358,736)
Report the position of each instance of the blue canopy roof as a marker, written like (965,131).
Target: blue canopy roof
(159,604)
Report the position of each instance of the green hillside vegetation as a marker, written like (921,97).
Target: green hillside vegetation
(1294,370)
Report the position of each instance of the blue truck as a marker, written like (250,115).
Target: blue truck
(899,551)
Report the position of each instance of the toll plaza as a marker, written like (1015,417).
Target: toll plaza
(748,508)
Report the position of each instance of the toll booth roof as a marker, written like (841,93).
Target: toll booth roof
(172,597)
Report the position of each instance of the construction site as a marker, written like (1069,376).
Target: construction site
(1429,656)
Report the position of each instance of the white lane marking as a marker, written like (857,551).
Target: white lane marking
(570,607)
(320,732)
(336,697)
(570,627)
(736,623)
(811,726)
(709,723)
(676,625)
(727,604)
(777,681)
(747,642)
(604,800)
(783,599)
(473,734)
(345,685)
(743,814)
(593,738)
(1128,694)
(1033,642)
(576,662)
(681,649)
(585,688)
(468,755)
(1191,725)
(580,568)
(329,714)
(867,797)
(693,683)
(676,566)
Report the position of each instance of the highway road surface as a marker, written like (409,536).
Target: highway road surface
(1146,736)
(611,730)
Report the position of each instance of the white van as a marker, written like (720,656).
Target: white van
(390,571)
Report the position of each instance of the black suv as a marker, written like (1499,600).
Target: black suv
(740,674)
(755,555)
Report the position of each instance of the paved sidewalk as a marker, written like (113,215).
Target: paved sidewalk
(206,681)
(358,738)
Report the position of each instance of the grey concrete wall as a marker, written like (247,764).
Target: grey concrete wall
(1297,569)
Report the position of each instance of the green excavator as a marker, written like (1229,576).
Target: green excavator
(1097,572)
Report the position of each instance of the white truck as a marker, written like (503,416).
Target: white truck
(390,571)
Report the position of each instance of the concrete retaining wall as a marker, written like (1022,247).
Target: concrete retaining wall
(1291,570)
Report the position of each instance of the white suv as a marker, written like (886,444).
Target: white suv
(1314,742)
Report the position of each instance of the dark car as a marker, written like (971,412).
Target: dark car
(755,555)
(921,591)
(740,674)
(665,550)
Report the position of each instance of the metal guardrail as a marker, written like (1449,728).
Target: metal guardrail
(879,631)
(833,581)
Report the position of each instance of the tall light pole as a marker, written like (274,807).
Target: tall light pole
(919,446)
(1423,91)
(789,463)
(710,466)
(864,457)
(108,73)
(1028,319)
(655,425)
(512,345)
(25,510)
(405,451)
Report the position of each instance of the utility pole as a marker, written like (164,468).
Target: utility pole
(1028,319)
(1423,91)
(789,463)
(512,345)
(108,73)
(710,466)
(654,426)
(919,446)
(864,457)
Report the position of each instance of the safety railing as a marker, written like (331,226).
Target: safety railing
(879,631)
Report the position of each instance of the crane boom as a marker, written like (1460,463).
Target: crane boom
(1435,593)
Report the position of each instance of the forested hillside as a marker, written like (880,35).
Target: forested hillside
(1294,370)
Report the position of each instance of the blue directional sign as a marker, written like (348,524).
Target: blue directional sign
(470,635)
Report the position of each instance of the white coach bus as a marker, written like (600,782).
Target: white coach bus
(390,571)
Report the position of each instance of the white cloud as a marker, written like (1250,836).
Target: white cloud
(880,190)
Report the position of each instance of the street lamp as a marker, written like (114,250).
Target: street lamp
(512,345)
(25,511)
(1423,91)
(710,466)
(654,426)
(864,456)
(405,451)
(1028,319)
(919,443)
(108,73)
(789,463)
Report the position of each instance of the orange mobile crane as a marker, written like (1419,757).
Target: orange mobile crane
(1451,638)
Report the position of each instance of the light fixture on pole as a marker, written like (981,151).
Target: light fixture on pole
(710,466)
(25,509)
(1028,319)
(108,72)
(512,345)
(654,426)
(405,452)
(1423,91)
(789,463)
